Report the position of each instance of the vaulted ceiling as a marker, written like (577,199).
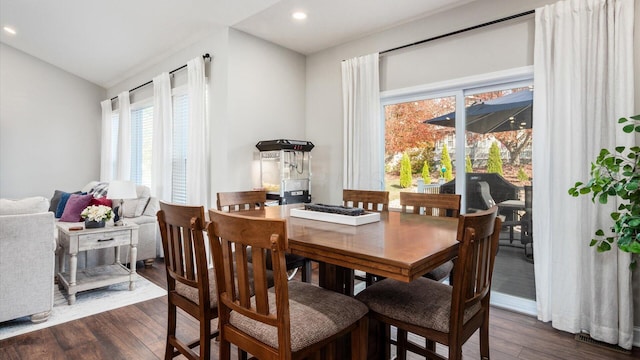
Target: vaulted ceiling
(105,41)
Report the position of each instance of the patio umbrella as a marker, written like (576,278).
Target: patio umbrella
(506,113)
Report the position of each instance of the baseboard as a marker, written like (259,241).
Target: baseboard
(636,336)
(514,303)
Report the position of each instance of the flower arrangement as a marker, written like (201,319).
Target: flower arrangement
(97,213)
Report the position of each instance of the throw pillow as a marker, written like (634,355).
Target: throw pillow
(55,200)
(74,207)
(99,190)
(101,201)
(64,197)
(135,207)
(30,205)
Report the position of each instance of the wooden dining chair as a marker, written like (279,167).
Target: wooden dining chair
(190,283)
(251,200)
(438,312)
(370,200)
(292,320)
(446,205)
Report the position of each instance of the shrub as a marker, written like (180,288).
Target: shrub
(494,164)
(446,164)
(405,171)
(522,175)
(467,165)
(426,176)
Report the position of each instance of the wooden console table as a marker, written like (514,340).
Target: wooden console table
(74,241)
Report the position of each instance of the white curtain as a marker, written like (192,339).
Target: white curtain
(363,127)
(106,157)
(161,153)
(583,62)
(123,159)
(197,147)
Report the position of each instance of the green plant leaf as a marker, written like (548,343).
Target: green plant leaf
(620,148)
(615,216)
(602,199)
(599,232)
(593,242)
(604,246)
(628,128)
(623,120)
(634,117)
(585,191)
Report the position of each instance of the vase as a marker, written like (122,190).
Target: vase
(90,224)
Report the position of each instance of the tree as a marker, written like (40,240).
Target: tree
(494,163)
(426,175)
(446,163)
(515,142)
(405,171)
(467,165)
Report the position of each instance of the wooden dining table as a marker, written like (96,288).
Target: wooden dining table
(400,246)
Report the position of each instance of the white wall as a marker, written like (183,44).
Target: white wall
(266,102)
(256,92)
(49,127)
(497,47)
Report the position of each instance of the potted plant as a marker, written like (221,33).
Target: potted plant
(617,174)
(95,216)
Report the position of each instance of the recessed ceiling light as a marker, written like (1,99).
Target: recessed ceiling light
(10,30)
(299,15)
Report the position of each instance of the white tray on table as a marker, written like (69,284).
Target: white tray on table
(366,218)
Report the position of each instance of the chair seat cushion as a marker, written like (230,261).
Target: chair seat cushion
(315,314)
(422,302)
(441,272)
(191,293)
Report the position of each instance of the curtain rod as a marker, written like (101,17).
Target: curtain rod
(205,57)
(460,31)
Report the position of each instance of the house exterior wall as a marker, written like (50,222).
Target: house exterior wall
(49,127)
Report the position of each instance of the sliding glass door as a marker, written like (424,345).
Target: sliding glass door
(474,141)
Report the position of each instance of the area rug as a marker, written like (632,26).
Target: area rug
(88,303)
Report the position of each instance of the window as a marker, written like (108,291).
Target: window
(142,143)
(179,159)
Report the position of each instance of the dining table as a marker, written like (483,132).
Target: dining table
(399,246)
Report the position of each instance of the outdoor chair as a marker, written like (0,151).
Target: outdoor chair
(440,313)
(292,320)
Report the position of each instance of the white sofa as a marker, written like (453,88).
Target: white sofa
(27,248)
(141,211)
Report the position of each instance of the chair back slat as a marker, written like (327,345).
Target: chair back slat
(241,200)
(369,200)
(431,204)
(230,234)
(478,234)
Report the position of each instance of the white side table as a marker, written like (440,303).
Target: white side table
(74,241)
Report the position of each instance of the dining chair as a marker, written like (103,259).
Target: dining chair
(251,200)
(444,205)
(370,200)
(292,320)
(190,283)
(440,313)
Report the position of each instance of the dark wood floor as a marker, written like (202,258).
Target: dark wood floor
(137,332)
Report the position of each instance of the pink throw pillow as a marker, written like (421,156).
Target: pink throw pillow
(74,207)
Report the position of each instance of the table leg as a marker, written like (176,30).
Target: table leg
(132,266)
(73,267)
